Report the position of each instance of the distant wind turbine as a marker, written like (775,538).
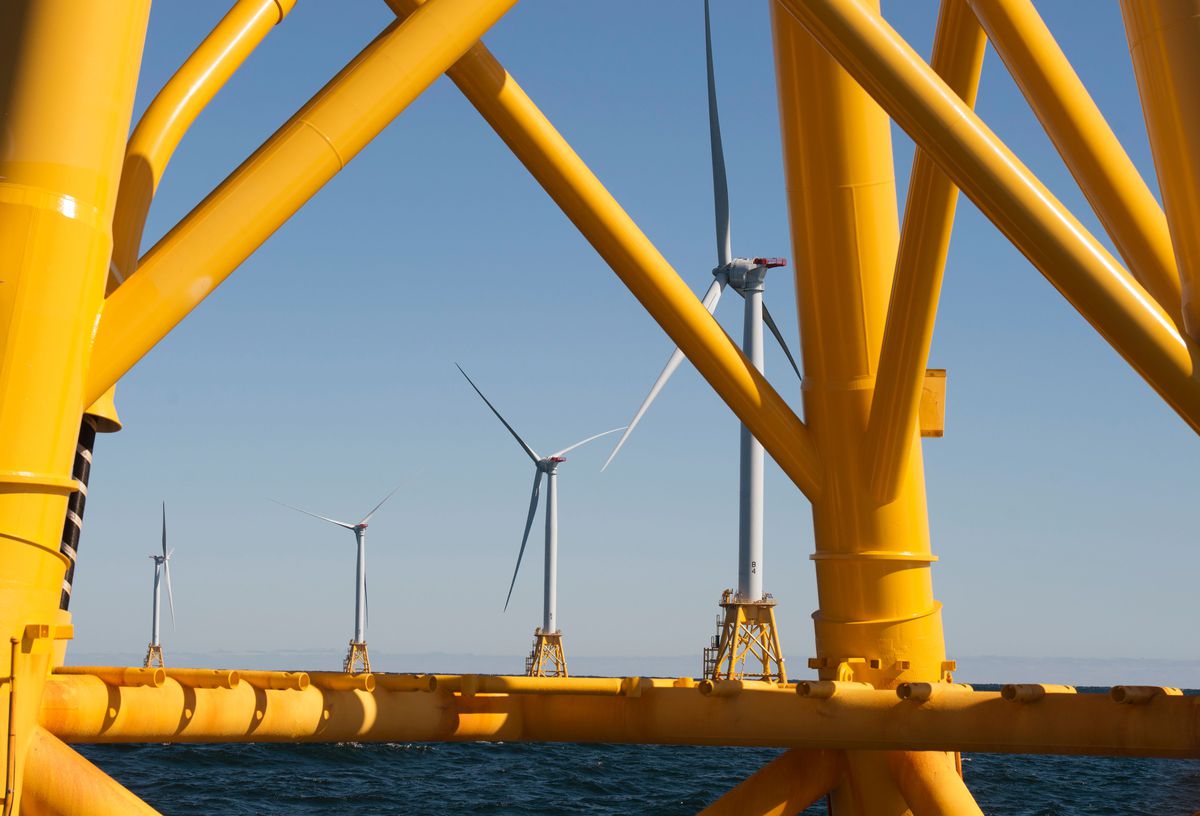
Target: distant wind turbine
(547,658)
(357,659)
(162,568)
(747,277)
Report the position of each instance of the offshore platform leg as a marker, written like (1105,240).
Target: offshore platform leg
(68,72)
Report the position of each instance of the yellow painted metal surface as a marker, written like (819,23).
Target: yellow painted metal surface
(1118,194)
(1011,196)
(867,295)
(209,243)
(958,48)
(59,782)
(784,786)
(79,708)
(933,404)
(1164,41)
(640,266)
(172,112)
(64,132)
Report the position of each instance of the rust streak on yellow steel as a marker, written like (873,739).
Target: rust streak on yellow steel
(173,111)
(1012,197)
(1124,204)
(200,252)
(931,784)
(1164,42)
(59,782)
(958,49)
(635,260)
(786,785)
(77,709)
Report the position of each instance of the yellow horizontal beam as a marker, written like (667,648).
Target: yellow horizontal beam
(1009,195)
(201,251)
(79,708)
(636,261)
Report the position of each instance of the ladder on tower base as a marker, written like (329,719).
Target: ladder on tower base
(546,659)
(746,645)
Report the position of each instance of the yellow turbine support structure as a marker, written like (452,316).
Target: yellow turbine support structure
(64,125)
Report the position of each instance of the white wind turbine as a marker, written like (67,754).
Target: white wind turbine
(162,569)
(357,659)
(547,465)
(747,277)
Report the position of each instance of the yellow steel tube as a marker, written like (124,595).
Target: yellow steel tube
(173,111)
(243,211)
(119,675)
(85,709)
(784,786)
(1122,201)
(59,782)
(64,122)
(1164,41)
(931,784)
(1004,189)
(873,558)
(631,255)
(958,49)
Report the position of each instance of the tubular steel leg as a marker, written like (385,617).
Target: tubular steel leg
(878,621)
(65,121)
(784,786)
(1164,41)
(1026,212)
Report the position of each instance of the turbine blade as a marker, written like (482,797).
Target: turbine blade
(770,323)
(314,515)
(711,298)
(164,532)
(533,503)
(720,184)
(385,498)
(585,441)
(170,595)
(524,445)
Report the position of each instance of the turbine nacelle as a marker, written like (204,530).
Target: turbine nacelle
(747,274)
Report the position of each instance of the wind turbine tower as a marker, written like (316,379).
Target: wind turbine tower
(547,658)
(162,569)
(747,632)
(357,660)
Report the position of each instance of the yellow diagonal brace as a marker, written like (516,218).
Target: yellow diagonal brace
(958,48)
(257,198)
(931,784)
(1122,201)
(59,782)
(640,266)
(1164,42)
(173,111)
(1010,195)
(784,786)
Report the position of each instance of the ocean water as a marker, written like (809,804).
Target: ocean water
(514,779)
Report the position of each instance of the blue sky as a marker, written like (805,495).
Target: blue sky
(322,374)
